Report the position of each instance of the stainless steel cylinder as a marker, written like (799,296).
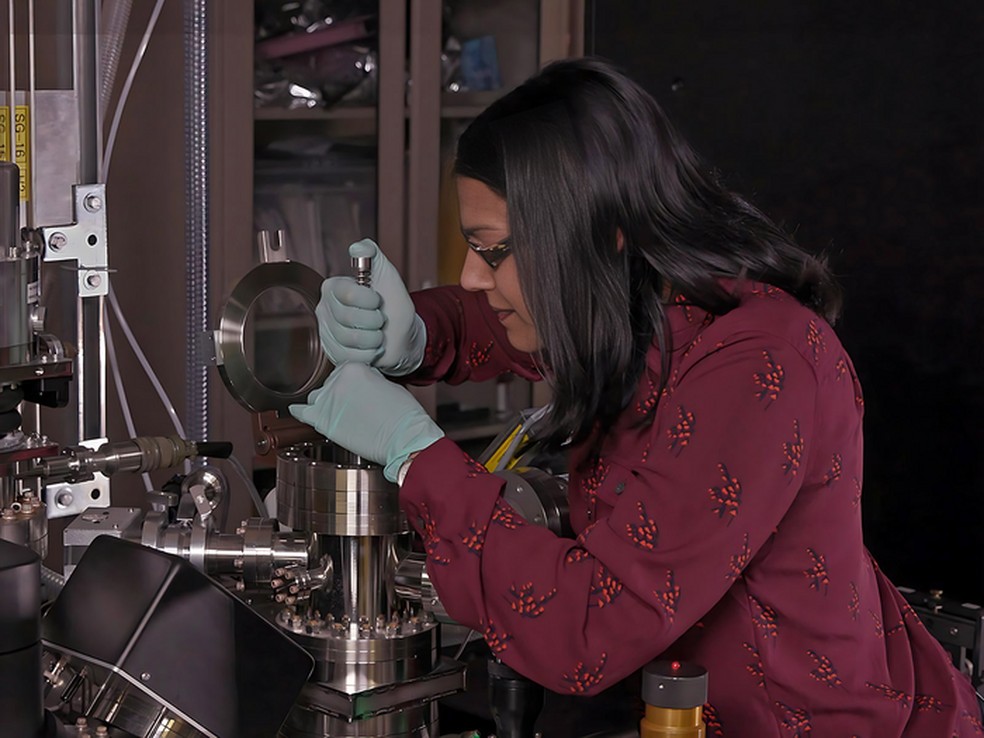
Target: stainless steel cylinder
(368,679)
(376,670)
(253,553)
(141,454)
(414,585)
(18,275)
(324,489)
(25,522)
(264,549)
(355,656)
(363,585)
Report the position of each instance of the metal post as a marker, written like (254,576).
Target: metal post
(91,364)
(425,143)
(197,214)
(391,136)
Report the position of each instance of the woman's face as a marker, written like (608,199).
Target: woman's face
(485,224)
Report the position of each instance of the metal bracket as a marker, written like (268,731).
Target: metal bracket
(84,240)
(64,499)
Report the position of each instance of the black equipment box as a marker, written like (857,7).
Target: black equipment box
(956,625)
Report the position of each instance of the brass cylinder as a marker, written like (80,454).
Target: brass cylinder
(664,722)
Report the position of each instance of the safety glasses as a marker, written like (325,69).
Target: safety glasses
(494,254)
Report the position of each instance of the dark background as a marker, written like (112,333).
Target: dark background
(860,127)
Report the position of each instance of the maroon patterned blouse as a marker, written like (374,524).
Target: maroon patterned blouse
(726,531)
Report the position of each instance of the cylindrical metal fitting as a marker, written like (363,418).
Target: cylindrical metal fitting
(363,270)
(324,489)
(674,693)
(374,654)
(413,584)
(26,525)
(254,554)
(145,453)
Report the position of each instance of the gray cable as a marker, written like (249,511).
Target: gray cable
(250,487)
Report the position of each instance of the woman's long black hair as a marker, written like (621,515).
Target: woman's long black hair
(585,160)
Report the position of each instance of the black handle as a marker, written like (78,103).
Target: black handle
(214,449)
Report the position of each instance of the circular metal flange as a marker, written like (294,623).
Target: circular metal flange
(230,345)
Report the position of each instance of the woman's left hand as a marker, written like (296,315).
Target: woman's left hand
(362,411)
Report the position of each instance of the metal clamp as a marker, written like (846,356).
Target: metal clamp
(84,240)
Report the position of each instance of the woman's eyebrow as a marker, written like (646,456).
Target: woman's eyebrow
(466,232)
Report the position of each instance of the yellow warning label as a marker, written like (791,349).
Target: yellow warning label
(22,144)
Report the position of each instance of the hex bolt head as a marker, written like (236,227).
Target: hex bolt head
(57,241)
(93,280)
(92,203)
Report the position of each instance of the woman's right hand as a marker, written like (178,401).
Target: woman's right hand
(375,325)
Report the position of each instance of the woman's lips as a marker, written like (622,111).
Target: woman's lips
(502,314)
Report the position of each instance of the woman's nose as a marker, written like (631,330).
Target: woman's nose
(476,274)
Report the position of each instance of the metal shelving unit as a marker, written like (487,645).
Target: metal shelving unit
(409,125)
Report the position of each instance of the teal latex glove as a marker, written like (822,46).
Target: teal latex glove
(361,410)
(377,325)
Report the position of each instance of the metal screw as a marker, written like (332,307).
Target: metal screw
(145,676)
(57,241)
(64,498)
(92,203)
(93,280)
(363,270)
(237,563)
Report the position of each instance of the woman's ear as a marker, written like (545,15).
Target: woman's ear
(619,239)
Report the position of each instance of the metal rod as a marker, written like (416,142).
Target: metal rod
(197,218)
(31,110)
(30,412)
(11,102)
(90,377)
(391,133)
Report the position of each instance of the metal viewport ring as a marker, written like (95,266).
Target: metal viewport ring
(230,345)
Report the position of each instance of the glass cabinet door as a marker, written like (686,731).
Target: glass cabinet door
(316,70)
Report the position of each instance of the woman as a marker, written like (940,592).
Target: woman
(711,418)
